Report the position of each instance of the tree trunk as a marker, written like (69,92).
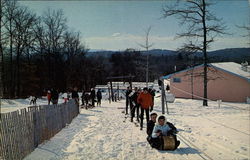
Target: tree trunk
(18,72)
(11,84)
(204,52)
(1,56)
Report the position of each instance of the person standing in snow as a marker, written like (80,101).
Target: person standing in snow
(86,98)
(49,97)
(152,92)
(54,96)
(145,100)
(33,100)
(92,96)
(128,91)
(99,97)
(163,128)
(82,97)
(75,95)
(135,105)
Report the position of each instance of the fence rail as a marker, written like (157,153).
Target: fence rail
(23,130)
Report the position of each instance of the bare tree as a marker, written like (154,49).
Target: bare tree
(247,29)
(54,27)
(1,51)
(22,39)
(202,28)
(146,46)
(73,49)
(9,15)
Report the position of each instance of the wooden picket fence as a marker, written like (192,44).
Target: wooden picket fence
(23,130)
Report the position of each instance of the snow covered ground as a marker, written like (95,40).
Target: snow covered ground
(101,133)
(9,105)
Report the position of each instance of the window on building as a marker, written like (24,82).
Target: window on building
(177,80)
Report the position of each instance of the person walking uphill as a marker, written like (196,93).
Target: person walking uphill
(99,97)
(54,96)
(145,100)
(49,97)
(75,95)
(128,91)
(92,96)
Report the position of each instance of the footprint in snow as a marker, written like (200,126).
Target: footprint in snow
(244,148)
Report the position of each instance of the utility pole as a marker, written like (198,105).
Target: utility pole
(147,71)
(162,97)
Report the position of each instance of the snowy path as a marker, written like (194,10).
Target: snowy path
(100,133)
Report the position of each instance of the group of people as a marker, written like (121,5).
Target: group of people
(53,95)
(140,101)
(92,97)
(143,101)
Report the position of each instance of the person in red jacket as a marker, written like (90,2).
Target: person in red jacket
(49,97)
(145,101)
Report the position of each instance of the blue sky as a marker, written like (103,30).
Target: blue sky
(117,25)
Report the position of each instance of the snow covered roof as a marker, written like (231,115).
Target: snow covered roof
(230,67)
(233,68)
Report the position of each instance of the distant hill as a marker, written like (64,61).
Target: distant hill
(229,54)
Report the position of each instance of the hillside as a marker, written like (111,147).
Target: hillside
(229,54)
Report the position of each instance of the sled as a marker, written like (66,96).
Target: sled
(168,142)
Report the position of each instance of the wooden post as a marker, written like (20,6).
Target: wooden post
(118,92)
(112,93)
(130,84)
(166,103)
(163,97)
(109,95)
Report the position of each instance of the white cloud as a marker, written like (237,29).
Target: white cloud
(116,34)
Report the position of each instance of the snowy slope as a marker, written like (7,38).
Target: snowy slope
(204,132)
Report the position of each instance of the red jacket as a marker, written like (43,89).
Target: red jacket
(48,96)
(145,100)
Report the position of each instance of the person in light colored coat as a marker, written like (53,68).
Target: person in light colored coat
(163,128)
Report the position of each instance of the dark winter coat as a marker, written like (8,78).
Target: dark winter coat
(134,97)
(173,128)
(54,95)
(150,127)
(92,94)
(99,95)
(74,94)
(128,92)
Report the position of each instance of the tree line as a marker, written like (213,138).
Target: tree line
(41,52)
(38,52)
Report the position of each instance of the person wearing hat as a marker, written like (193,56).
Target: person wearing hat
(145,100)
